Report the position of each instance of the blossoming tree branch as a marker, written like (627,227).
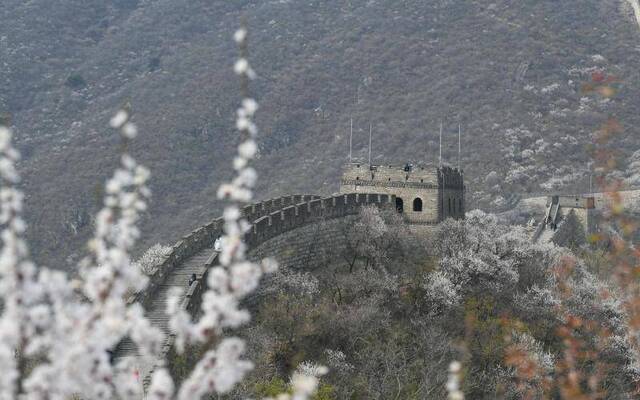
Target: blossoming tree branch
(57,334)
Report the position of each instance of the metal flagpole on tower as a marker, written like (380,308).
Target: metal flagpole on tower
(440,157)
(426,145)
(441,173)
(350,140)
(459,134)
(369,145)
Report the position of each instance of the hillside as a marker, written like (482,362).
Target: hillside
(510,73)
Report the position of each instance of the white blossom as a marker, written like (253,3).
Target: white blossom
(440,290)
(119,119)
(68,328)
(453,383)
(309,368)
(129,130)
(149,262)
(550,88)
(161,387)
(250,106)
(65,333)
(218,370)
(299,283)
(248,149)
(337,360)
(240,35)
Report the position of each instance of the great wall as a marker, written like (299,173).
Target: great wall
(195,253)
(432,195)
(287,225)
(588,208)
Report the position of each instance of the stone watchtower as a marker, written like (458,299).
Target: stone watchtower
(424,195)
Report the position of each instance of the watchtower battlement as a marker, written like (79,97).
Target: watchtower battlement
(423,194)
(451,178)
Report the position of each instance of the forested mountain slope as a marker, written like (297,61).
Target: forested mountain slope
(510,73)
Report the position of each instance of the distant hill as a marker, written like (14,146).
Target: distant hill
(509,72)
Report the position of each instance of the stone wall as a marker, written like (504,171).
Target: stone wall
(629,198)
(268,227)
(407,197)
(573,201)
(419,177)
(451,204)
(416,189)
(255,211)
(451,195)
(292,217)
(307,246)
(310,210)
(205,236)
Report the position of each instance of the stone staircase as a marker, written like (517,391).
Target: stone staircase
(544,233)
(156,311)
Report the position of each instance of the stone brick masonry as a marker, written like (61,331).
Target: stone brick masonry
(425,195)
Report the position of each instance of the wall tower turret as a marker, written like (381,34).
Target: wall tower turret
(424,195)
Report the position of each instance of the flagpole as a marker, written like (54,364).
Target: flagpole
(350,140)
(440,147)
(459,147)
(370,129)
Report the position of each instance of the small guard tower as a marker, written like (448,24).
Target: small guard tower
(424,195)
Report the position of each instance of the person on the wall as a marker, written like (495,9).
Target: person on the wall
(192,279)
(112,356)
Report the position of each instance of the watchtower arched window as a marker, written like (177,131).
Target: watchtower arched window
(399,205)
(460,205)
(449,201)
(417,204)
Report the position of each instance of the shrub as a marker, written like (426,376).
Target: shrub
(154,63)
(75,81)
(571,233)
(271,387)
(5,119)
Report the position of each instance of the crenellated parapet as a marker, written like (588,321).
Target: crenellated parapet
(450,178)
(257,210)
(298,215)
